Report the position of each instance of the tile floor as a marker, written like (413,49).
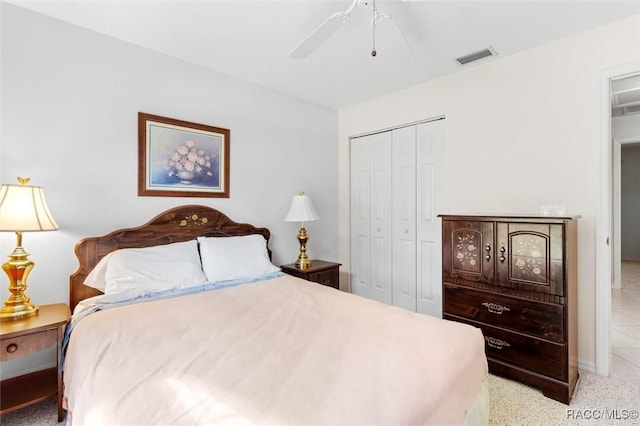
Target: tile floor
(625,325)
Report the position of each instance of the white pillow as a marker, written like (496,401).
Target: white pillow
(229,258)
(97,277)
(149,269)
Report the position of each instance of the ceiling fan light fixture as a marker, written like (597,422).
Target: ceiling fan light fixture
(333,23)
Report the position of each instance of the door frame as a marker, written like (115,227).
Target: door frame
(604,216)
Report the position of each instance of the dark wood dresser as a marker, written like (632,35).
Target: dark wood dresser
(516,279)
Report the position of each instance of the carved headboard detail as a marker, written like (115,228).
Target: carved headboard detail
(179,224)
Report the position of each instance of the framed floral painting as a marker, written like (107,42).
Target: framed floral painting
(181,159)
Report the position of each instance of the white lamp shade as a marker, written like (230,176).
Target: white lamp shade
(301,210)
(23,208)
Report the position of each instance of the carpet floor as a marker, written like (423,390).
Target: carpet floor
(597,400)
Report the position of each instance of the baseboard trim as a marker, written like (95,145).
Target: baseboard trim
(586,366)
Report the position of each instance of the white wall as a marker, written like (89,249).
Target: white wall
(70,101)
(520,131)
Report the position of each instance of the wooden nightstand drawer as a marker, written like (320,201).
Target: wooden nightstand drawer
(24,345)
(329,278)
(320,271)
(26,336)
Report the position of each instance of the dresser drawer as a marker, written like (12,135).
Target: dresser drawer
(538,355)
(527,316)
(24,345)
(329,278)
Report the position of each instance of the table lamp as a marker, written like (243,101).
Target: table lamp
(22,209)
(301,210)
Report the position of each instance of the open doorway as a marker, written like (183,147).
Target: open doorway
(625,136)
(606,268)
(625,292)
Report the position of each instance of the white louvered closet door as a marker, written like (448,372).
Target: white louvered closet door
(371,217)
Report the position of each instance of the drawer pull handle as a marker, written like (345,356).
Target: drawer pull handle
(12,348)
(494,308)
(496,343)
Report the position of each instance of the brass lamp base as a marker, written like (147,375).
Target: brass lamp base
(303,261)
(14,313)
(18,305)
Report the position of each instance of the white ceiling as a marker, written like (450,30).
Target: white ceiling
(251,39)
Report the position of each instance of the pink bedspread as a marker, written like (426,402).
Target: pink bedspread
(282,351)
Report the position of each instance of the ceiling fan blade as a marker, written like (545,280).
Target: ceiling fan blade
(325,30)
(403,36)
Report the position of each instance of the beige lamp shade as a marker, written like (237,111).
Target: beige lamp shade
(23,208)
(301,210)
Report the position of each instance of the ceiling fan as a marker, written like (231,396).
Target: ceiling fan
(334,22)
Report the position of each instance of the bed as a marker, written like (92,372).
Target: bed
(249,349)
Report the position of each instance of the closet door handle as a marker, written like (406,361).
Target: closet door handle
(488,249)
(502,251)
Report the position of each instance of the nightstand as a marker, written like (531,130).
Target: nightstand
(321,272)
(26,336)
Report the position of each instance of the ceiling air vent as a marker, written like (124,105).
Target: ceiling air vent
(476,56)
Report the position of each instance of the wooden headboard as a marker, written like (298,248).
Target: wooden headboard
(179,224)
